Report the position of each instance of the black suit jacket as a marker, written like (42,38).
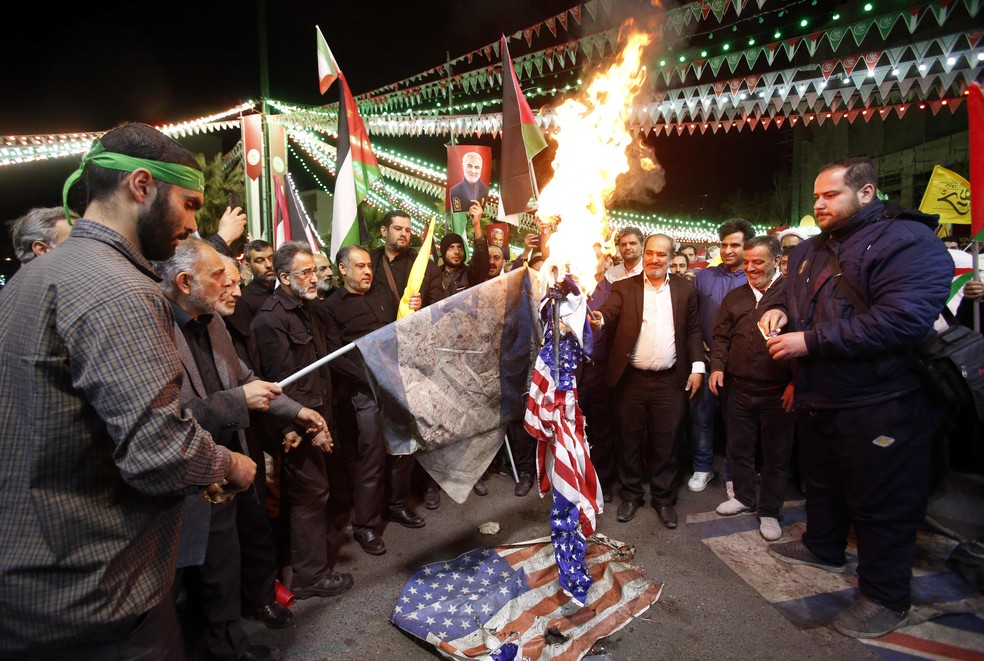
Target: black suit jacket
(623,319)
(462,193)
(217,412)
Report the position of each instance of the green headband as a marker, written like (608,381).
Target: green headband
(172,173)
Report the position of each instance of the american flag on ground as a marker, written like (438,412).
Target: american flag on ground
(483,602)
(554,418)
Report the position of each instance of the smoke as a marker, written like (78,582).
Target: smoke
(644,180)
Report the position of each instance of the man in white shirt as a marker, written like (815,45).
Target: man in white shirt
(656,360)
(629,244)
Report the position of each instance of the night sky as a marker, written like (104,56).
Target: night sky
(89,66)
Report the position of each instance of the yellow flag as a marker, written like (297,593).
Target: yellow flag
(947,194)
(417,272)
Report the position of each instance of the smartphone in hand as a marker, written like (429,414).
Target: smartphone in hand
(235,201)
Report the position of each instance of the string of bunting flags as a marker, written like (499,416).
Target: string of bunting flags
(693,62)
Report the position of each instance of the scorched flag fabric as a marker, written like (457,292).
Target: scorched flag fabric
(449,377)
(500,602)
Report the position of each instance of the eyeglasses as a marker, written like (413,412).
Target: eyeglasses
(306,274)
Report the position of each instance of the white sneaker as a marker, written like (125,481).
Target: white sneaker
(699,481)
(729,488)
(769,528)
(731,507)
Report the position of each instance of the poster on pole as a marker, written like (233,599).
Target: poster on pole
(469,176)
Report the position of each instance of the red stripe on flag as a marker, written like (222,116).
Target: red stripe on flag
(519,555)
(975,115)
(944,650)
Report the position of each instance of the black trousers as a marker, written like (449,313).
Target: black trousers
(869,467)
(212,588)
(305,483)
(259,556)
(650,404)
(755,416)
(379,479)
(601,421)
(523,448)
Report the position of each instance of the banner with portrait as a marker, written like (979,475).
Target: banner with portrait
(497,234)
(469,176)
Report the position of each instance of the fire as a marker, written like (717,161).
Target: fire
(591,153)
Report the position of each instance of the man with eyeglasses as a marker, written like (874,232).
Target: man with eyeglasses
(289,337)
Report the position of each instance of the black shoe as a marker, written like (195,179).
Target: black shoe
(274,615)
(370,541)
(406,517)
(627,510)
(432,498)
(480,488)
(607,494)
(330,585)
(524,485)
(667,515)
(261,653)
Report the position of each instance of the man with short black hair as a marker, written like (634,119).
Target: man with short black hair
(38,231)
(689,251)
(760,390)
(497,260)
(679,264)
(629,242)
(93,488)
(380,482)
(289,338)
(860,297)
(392,261)
(712,284)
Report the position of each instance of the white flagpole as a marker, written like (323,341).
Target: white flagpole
(316,364)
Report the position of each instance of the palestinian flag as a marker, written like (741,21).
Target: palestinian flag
(522,139)
(963,272)
(357,171)
(327,67)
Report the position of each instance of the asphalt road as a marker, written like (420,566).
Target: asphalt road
(706,611)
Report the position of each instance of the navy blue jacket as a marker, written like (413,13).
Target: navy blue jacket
(899,268)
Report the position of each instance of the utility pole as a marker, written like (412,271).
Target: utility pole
(266,221)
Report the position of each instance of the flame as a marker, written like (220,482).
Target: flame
(591,153)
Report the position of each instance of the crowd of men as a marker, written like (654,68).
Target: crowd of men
(159,482)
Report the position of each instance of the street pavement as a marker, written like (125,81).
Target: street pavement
(706,611)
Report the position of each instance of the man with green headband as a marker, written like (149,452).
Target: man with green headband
(98,454)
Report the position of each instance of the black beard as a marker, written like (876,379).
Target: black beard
(155,228)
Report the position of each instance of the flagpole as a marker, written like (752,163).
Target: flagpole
(448,222)
(266,222)
(316,364)
(976,276)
